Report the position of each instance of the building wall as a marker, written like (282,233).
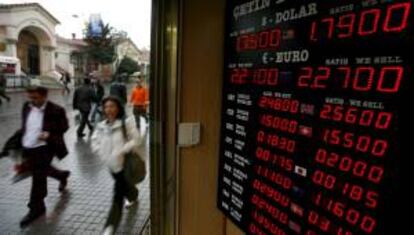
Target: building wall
(201,77)
(62,56)
(18,19)
(31,18)
(127,49)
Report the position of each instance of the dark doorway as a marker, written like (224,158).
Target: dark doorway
(33,59)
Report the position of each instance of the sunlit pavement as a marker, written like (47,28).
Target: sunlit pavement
(84,207)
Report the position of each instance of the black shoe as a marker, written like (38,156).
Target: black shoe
(64,181)
(31,216)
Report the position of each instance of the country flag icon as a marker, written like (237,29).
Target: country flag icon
(296,209)
(301,171)
(305,131)
(294,226)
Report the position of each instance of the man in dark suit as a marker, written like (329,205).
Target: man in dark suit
(82,101)
(43,126)
(99,93)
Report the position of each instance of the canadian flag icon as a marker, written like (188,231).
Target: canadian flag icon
(305,131)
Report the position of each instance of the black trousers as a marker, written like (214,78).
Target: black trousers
(39,160)
(122,190)
(138,112)
(84,121)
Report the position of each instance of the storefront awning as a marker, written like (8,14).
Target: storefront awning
(9,60)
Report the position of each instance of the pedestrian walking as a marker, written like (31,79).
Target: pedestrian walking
(66,80)
(43,126)
(82,101)
(99,93)
(139,100)
(113,138)
(119,89)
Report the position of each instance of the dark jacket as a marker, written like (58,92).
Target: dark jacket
(3,81)
(56,123)
(119,90)
(99,93)
(83,98)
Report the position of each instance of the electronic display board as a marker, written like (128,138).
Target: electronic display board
(316,103)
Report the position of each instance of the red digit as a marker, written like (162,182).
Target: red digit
(375,13)
(356,192)
(313,32)
(383,120)
(350,116)
(252,42)
(263,39)
(371,199)
(321,156)
(335,138)
(375,174)
(363,143)
(275,38)
(383,86)
(368,80)
(294,106)
(346,22)
(347,78)
(379,148)
(338,209)
(352,216)
(272,77)
(303,80)
(260,136)
(348,140)
(366,118)
(330,22)
(346,164)
(390,17)
(325,73)
(359,168)
(337,113)
(332,159)
(327,108)
(368,224)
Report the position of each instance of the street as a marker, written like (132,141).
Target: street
(83,208)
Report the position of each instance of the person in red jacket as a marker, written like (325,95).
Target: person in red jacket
(139,100)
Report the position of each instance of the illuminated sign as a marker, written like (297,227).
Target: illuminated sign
(316,116)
